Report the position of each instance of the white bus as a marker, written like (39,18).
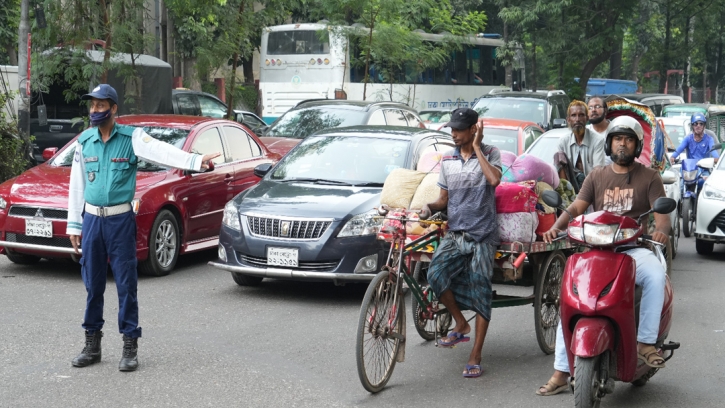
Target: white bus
(311,61)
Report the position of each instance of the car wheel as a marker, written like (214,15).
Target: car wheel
(21,259)
(164,246)
(704,247)
(246,280)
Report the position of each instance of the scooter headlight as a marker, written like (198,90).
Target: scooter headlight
(713,193)
(597,234)
(689,175)
(626,233)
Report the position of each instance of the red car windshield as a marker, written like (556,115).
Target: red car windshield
(172,136)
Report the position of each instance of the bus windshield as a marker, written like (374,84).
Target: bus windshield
(298,42)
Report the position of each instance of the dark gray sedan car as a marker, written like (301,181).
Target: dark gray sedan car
(312,217)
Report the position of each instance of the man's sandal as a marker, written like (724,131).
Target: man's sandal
(652,358)
(551,388)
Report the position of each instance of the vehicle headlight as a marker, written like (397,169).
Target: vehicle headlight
(575,232)
(689,175)
(713,193)
(3,203)
(626,233)
(597,234)
(231,217)
(368,223)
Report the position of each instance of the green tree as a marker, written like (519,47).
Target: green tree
(9,22)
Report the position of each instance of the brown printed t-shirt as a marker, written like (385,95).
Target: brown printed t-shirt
(609,191)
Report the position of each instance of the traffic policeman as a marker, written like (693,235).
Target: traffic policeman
(102,187)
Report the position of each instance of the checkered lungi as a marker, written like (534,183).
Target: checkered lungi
(465,267)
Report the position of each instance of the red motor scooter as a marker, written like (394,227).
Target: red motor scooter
(600,304)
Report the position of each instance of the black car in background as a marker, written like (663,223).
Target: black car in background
(308,117)
(312,216)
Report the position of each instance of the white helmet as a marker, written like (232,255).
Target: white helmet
(624,125)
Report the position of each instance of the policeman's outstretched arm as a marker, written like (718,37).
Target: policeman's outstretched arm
(158,152)
(76,199)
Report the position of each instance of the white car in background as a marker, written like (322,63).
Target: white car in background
(710,224)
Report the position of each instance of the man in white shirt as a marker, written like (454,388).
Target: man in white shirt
(583,148)
(598,122)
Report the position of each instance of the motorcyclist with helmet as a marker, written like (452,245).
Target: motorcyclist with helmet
(628,188)
(698,143)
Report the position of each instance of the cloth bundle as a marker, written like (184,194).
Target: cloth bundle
(528,167)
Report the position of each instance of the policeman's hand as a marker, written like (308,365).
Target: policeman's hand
(551,234)
(672,160)
(75,240)
(478,138)
(660,237)
(207,157)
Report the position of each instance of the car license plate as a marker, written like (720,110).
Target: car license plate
(282,256)
(36,228)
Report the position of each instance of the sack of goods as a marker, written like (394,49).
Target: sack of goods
(516,211)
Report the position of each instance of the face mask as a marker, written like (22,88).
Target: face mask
(97,118)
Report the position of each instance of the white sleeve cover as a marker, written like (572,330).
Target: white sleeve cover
(76,199)
(158,152)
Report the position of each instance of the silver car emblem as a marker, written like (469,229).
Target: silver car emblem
(39,213)
(284,228)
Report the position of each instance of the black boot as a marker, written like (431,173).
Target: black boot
(129,361)
(91,352)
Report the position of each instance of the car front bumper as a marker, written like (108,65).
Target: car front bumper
(710,220)
(327,259)
(279,273)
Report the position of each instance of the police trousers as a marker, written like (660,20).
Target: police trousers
(110,240)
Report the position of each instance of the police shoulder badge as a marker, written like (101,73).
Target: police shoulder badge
(146,139)
(91,176)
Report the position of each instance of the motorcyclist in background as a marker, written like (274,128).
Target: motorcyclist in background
(698,143)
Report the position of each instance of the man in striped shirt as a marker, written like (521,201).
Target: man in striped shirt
(462,266)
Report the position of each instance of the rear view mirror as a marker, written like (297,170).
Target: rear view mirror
(552,198)
(668,177)
(664,205)
(706,163)
(49,152)
(239,117)
(559,123)
(261,170)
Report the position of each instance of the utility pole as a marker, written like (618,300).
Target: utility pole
(24,108)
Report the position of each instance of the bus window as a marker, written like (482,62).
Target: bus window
(298,42)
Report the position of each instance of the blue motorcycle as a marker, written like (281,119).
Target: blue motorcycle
(692,181)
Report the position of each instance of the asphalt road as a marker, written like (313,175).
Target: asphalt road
(208,342)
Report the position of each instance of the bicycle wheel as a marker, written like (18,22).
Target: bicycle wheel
(377,341)
(425,327)
(546,303)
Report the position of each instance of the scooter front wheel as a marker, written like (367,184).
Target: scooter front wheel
(587,392)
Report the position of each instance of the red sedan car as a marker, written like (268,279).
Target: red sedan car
(176,211)
(512,135)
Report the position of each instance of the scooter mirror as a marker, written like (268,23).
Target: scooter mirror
(664,205)
(552,198)
(706,163)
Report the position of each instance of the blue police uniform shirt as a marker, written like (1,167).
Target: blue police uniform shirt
(110,167)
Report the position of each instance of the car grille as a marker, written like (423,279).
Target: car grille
(718,221)
(295,229)
(30,212)
(25,239)
(320,266)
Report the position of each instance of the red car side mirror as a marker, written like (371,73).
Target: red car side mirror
(49,152)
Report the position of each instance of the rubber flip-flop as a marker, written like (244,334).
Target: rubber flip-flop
(457,338)
(552,389)
(470,367)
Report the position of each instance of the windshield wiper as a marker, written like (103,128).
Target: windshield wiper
(316,180)
(368,184)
